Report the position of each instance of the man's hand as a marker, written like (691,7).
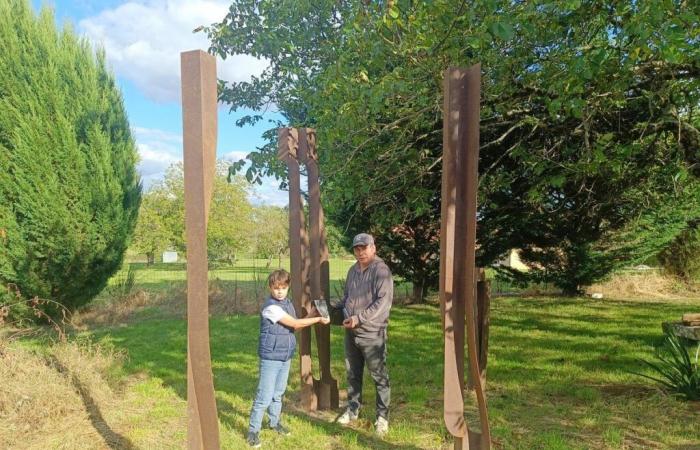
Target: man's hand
(325,320)
(351,322)
(313,312)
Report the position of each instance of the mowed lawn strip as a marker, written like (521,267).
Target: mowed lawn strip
(559,376)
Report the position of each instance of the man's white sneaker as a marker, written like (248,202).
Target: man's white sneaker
(348,416)
(381,426)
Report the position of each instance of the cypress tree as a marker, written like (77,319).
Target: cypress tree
(69,191)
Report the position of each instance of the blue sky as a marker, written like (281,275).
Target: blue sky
(143,40)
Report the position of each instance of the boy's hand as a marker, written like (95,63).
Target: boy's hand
(325,320)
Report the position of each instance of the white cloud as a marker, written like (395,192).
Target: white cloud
(158,149)
(234,156)
(143,41)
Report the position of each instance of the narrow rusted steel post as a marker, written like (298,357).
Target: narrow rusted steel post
(290,151)
(199,125)
(483,298)
(327,387)
(482,309)
(453,392)
(457,250)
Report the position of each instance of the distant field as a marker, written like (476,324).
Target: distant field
(247,274)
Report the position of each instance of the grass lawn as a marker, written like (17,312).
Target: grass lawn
(558,378)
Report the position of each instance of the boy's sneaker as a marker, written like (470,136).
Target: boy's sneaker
(381,426)
(281,429)
(348,416)
(253,440)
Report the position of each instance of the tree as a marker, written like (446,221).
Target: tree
(230,214)
(588,119)
(68,186)
(152,234)
(230,217)
(271,232)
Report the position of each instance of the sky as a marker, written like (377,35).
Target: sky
(143,40)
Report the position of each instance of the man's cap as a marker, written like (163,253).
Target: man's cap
(362,239)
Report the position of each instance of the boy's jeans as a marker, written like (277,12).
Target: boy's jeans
(273,383)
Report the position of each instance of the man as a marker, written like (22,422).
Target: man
(369,291)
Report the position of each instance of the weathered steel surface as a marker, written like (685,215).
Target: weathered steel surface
(327,387)
(457,250)
(453,393)
(199,97)
(292,150)
(482,314)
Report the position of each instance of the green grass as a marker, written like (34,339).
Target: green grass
(245,274)
(559,377)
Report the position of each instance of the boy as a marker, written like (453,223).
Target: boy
(276,346)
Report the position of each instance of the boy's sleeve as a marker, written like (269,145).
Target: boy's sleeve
(273,313)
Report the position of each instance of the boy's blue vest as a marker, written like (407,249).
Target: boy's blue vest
(277,342)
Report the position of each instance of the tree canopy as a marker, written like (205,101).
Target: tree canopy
(162,218)
(69,191)
(590,149)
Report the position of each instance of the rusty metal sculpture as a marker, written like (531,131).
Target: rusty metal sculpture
(309,263)
(199,123)
(458,274)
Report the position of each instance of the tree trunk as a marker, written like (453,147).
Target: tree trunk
(150,258)
(418,291)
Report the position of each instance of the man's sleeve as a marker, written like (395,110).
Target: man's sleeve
(273,313)
(383,293)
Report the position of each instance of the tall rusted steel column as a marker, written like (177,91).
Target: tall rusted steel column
(199,124)
(289,151)
(327,387)
(457,251)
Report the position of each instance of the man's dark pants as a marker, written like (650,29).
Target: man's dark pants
(370,351)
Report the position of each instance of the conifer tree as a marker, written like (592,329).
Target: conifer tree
(69,191)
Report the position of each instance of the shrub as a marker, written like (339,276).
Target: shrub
(682,257)
(69,192)
(675,369)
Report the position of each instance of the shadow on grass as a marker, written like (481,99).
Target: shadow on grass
(330,429)
(112,439)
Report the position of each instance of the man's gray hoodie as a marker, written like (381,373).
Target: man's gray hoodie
(368,296)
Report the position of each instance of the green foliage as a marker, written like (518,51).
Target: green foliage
(270,232)
(69,192)
(675,369)
(682,257)
(162,222)
(588,120)
(123,285)
(152,234)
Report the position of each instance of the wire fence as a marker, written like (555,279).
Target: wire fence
(243,281)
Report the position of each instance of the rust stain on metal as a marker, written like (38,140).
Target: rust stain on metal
(199,97)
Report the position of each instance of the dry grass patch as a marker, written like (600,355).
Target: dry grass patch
(67,396)
(650,285)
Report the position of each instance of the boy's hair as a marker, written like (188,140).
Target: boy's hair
(278,277)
